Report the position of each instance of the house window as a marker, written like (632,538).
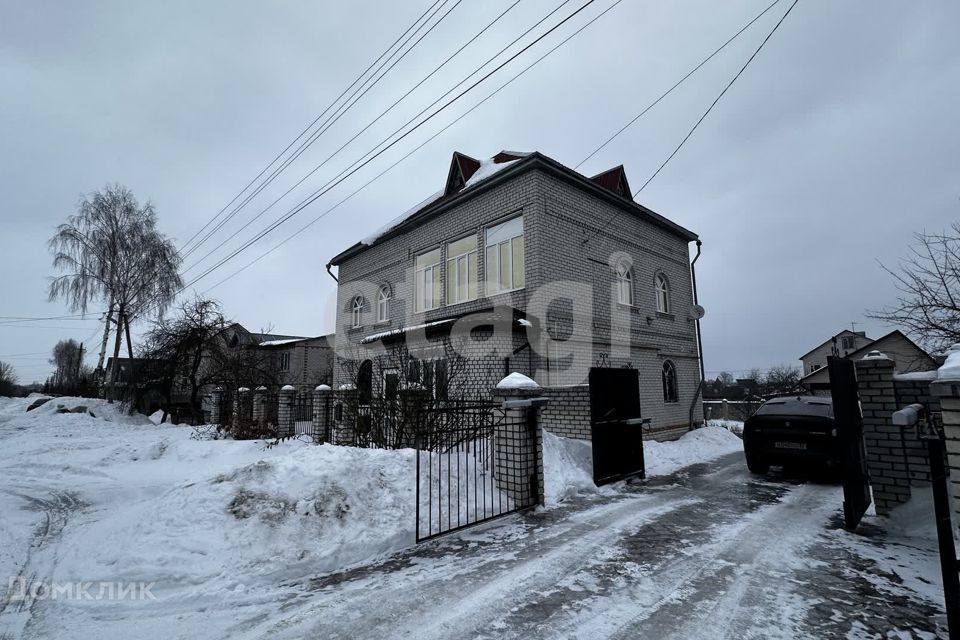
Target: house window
(358,311)
(504,256)
(462,270)
(669,375)
(624,284)
(846,342)
(663,293)
(427,280)
(814,367)
(383,304)
(285,361)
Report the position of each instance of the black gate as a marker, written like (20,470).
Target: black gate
(303,415)
(475,462)
(615,425)
(849,424)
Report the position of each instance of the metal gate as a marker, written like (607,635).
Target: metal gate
(616,425)
(475,462)
(849,424)
(303,415)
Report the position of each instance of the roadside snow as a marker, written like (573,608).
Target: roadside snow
(567,468)
(700,445)
(733,426)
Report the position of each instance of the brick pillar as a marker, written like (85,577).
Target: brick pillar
(518,448)
(343,431)
(948,391)
(216,400)
(886,457)
(240,403)
(322,397)
(259,397)
(285,411)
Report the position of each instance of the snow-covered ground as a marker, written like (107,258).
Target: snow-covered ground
(233,539)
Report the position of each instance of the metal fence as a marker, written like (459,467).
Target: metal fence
(469,459)
(303,415)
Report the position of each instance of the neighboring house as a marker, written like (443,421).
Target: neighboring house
(302,362)
(500,235)
(842,345)
(149,373)
(907,355)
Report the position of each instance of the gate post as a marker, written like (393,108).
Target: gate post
(285,411)
(518,445)
(321,413)
(258,399)
(216,399)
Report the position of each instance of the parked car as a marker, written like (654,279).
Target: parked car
(795,430)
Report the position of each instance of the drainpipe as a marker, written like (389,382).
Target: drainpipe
(696,396)
(338,281)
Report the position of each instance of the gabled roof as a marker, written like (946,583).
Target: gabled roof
(616,180)
(468,177)
(845,332)
(873,345)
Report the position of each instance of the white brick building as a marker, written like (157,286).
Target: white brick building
(523,264)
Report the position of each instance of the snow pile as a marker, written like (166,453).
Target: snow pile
(733,426)
(567,468)
(951,367)
(700,445)
(517,381)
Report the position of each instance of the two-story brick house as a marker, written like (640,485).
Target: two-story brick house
(523,264)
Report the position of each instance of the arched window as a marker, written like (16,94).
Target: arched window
(383,304)
(358,311)
(669,375)
(663,293)
(624,284)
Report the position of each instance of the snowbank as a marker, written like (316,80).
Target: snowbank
(700,445)
(567,468)
(733,426)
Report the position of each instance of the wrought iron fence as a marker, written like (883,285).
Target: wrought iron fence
(303,415)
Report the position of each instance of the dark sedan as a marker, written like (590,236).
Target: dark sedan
(796,431)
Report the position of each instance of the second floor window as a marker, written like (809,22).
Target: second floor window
(285,361)
(503,259)
(663,294)
(383,304)
(358,311)
(846,342)
(624,284)
(462,270)
(426,280)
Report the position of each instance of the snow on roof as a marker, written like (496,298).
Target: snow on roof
(373,337)
(488,168)
(276,343)
(517,381)
(396,222)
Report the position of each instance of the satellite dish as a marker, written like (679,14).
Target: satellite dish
(697,312)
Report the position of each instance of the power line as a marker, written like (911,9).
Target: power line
(678,83)
(338,113)
(344,175)
(702,118)
(311,125)
(410,153)
(387,138)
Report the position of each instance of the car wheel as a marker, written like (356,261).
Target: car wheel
(756,465)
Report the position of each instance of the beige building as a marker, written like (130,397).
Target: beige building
(906,354)
(842,345)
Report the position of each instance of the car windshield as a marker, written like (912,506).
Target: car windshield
(799,406)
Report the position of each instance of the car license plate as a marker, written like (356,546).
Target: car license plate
(791,445)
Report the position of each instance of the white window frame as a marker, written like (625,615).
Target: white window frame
(624,284)
(492,268)
(461,292)
(662,291)
(383,304)
(424,298)
(357,312)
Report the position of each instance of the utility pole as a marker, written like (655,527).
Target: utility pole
(79,364)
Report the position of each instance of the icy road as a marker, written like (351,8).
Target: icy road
(710,552)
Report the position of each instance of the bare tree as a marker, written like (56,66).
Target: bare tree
(782,379)
(725,378)
(70,374)
(111,251)
(8,379)
(928,279)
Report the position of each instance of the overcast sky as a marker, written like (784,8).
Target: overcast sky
(838,142)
